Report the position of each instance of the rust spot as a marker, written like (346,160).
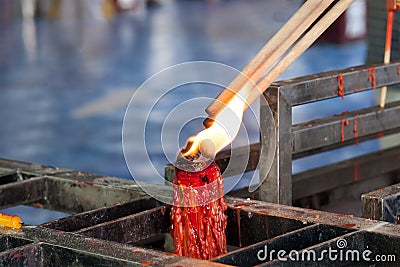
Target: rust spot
(38,205)
(398,70)
(94,244)
(17,255)
(137,252)
(380,134)
(145,263)
(372,77)
(263,212)
(59,233)
(340,85)
(340,215)
(348,225)
(342,124)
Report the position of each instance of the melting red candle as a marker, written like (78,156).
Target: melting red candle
(198,221)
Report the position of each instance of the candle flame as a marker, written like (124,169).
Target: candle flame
(222,131)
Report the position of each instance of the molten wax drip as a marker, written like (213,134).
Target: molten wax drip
(198,221)
(372,77)
(341,85)
(343,123)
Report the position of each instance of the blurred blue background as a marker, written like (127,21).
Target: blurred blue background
(65,81)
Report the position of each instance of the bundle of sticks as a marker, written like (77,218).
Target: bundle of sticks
(299,33)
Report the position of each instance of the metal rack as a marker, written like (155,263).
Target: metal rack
(328,133)
(312,137)
(113,223)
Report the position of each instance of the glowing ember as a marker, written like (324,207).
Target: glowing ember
(198,221)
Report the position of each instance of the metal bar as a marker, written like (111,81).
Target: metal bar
(124,254)
(276,183)
(249,154)
(14,176)
(345,172)
(74,196)
(131,228)
(101,215)
(22,192)
(356,242)
(333,131)
(26,255)
(247,228)
(308,216)
(382,204)
(37,169)
(293,240)
(322,86)
(10,242)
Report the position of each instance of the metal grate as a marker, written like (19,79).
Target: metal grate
(113,223)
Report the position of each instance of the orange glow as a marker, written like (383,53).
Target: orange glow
(224,129)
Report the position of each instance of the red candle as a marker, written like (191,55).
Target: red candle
(198,219)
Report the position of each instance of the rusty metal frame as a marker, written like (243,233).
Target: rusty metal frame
(101,232)
(382,204)
(295,141)
(308,138)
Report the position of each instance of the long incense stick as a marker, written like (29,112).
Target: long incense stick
(305,42)
(386,58)
(270,53)
(301,46)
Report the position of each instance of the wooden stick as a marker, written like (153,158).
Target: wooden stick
(270,53)
(386,58)
(309,38)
